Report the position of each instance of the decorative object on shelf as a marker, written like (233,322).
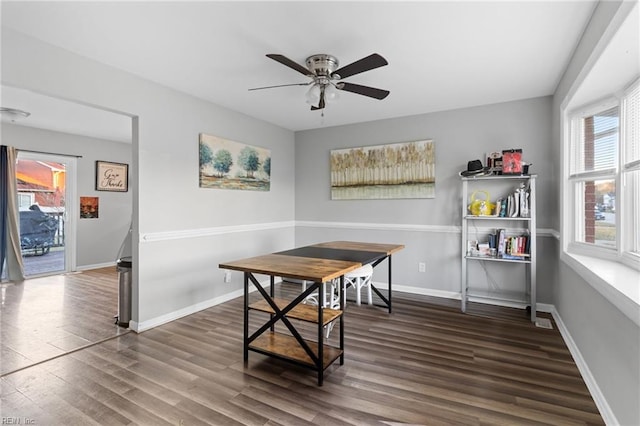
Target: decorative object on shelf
(512,162)
(400,170)
(112,176)
(481,207)
(225,164)
(494,162)
(515,204)
(475,168)
(523,197)
(472,247)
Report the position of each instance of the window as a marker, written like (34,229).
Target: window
(631,165)
(25,200)
(604,177)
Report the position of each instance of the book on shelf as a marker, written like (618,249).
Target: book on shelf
(501,241)
(511,246)
(515,204)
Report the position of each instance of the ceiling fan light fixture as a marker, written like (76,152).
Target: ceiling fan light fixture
(313,95)
(13,114)
(331,93)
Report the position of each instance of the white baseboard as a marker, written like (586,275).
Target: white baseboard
(603,406)
(419,290)
(95,266)
(172,316)
(139,327)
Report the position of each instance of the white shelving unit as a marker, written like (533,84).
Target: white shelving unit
(529,223)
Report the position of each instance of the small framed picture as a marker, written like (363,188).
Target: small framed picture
(89,207)
(512,162)
(112,176)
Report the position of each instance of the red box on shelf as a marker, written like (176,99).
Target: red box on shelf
(512,162)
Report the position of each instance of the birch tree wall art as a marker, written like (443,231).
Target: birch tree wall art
(227,164)
(400,170)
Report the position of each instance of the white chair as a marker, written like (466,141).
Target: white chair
(333,292)
(358,279)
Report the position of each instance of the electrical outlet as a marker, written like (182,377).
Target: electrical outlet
(227,277)
(422,267)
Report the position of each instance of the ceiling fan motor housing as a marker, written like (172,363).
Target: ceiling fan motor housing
(322,65)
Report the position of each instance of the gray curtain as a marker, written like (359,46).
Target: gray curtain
(10,256)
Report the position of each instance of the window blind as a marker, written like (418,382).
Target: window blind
(595,145)
(632,126)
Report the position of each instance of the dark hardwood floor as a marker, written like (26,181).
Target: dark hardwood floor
(425,364)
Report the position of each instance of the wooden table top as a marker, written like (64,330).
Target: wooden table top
(309,268)
(302,268)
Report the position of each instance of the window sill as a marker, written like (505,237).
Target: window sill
(618,283)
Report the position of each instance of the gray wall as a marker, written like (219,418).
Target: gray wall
(608,341)
(181,232)
(428,227)
(98,240)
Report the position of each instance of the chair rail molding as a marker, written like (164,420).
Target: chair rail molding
(148,237)
(442,229)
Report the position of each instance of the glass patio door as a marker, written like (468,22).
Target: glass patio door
(45,186)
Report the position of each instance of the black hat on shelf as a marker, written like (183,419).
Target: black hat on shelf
(475,168)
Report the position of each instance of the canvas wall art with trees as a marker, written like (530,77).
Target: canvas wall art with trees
(228,164)
(399,170)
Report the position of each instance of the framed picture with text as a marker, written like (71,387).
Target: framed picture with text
(112,176)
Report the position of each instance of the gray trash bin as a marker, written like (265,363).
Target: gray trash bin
(124,291)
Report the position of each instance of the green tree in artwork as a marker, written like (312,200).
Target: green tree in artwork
(206,155)
(249,160)
(222,162)
(267,166)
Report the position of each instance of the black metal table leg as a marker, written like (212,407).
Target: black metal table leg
(389,295)
(246,317)
(320,360)
(272,293)
(342,295)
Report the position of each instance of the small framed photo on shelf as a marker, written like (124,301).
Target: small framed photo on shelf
(494,162)
(472,247)
(512,162)
(112,176)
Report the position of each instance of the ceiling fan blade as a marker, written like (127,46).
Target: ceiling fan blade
(371,92)
(289,63)
(281,85)
(365,64)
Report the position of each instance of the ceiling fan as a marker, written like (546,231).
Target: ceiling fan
(326,77)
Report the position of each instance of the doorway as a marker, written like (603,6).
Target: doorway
(45,184)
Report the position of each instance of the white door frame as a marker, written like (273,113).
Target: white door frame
(71,209)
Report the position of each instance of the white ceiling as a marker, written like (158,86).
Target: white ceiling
(442,55)
(65,116)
